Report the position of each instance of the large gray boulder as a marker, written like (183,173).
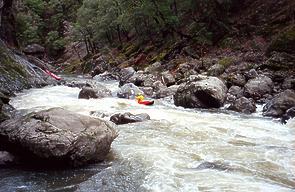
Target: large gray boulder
(128,90)
(201,92)
(58,136)
(141,79)
(89,93)
(166,91)
(125,74)
(168,78)
(280,104)
(258,87)
(243,105)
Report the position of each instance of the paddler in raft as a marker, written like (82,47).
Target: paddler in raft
(140,99)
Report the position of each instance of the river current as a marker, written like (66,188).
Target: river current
(181,150)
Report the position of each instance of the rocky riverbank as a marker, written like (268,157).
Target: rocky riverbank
(237,80)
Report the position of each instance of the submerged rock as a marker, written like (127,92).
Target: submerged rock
(129,118)
(201,92)
(214,165)
(58,136)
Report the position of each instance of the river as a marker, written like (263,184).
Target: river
(179,150)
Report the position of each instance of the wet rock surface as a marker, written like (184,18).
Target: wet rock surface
(125,118)
(201,92)
(58,136)
(128,90)
(16,73)
(94,93)
(259,86)
(280,104)
(243,105)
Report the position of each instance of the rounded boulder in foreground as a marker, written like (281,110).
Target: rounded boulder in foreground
(58,137)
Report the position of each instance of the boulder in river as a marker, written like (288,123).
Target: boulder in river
(168,78)
(166,91)
(201,92)
(125,74)
(258,87)
(280,104)
(58,136)
(129,118)
(128,90)
(243,105)
(139,78)
(89,93)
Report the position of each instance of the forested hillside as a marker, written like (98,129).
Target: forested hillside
(146,31)
(43,22)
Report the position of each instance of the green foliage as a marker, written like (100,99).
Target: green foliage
(55,43)
(114,22)
(26,33)
(284,41)
(42,22)
(226,61)
(36,6)
(110,21)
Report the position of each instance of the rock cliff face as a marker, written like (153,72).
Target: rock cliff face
(16,73)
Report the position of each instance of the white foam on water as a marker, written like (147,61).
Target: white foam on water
(258,152)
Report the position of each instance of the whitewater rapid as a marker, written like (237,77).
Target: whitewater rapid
(178,150)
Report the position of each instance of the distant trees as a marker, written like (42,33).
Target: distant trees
(42,22)
(110,21)
(115,21)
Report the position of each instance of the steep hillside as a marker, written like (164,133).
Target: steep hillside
(178,31)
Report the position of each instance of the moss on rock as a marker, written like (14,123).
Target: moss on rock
(226,61)
(13,75)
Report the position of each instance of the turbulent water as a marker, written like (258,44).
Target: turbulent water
(178,150)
